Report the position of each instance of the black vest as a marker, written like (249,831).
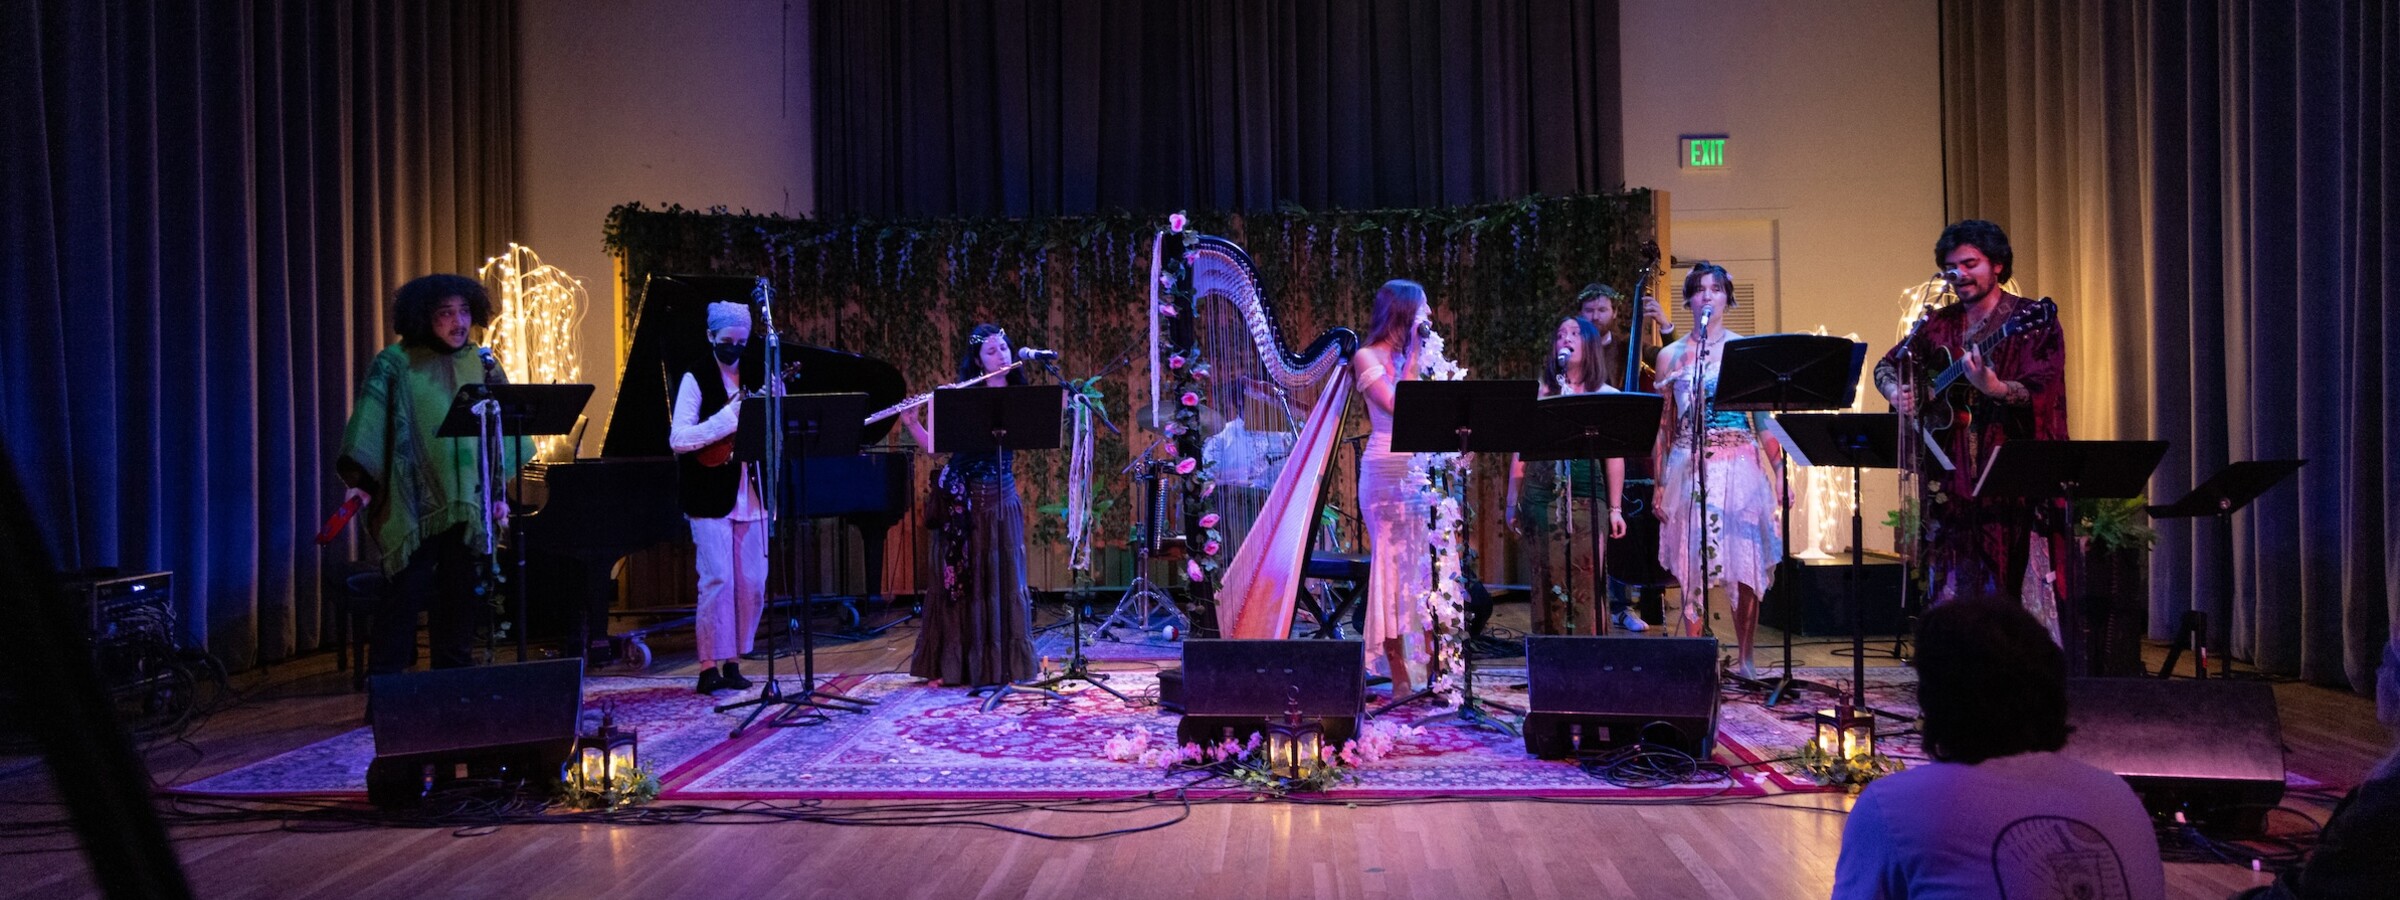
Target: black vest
(707,492)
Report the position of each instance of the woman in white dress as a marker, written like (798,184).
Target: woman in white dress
(1742,541)
(1389,502)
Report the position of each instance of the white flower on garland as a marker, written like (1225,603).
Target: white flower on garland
(1434,475)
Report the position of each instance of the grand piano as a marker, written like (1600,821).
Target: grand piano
(589,514)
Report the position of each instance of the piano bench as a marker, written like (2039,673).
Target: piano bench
(1342,581)
(358,592)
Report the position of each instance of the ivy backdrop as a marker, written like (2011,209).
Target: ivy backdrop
(905,290)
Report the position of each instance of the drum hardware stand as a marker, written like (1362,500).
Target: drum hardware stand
(1144,602)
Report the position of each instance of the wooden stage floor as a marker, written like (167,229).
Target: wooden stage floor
(1779,847)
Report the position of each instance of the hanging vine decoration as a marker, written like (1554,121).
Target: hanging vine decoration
(1077,284)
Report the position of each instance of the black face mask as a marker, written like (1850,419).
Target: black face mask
(727,353)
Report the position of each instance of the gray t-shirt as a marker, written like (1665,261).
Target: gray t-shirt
(2029,825)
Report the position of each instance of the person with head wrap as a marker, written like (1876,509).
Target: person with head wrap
(720,497)
(422,493)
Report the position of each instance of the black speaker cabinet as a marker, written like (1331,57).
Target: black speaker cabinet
(1238,685)
(1588,695)
(1815,593)
(506,723)
(2212,750)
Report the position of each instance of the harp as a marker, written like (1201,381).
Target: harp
(1274,420)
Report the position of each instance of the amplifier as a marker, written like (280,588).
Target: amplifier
(109,606)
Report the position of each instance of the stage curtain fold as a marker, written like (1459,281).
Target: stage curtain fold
(1049,107)
(2274,308)
(203,208)
(2207,187)
(2045,134)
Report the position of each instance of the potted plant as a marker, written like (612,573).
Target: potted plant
(2116,537)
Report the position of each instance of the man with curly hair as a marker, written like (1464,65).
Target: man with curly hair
(422,493)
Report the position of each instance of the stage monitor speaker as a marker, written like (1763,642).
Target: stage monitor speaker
(1588,695)
(2212,750)
(1241,684)
(503,723)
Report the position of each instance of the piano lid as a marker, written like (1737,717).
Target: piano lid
(670,335)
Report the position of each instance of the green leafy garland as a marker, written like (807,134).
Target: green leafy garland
(626,789)
(1831,770)
(905,290)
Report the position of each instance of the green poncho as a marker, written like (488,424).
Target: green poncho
(422,485)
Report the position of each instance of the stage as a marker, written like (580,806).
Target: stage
(1451,812)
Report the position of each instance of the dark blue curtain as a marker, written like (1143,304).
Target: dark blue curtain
(2276,184)
(202,209)
(1046,107)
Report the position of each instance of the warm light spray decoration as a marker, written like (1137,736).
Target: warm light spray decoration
(533,334)
(1826,489)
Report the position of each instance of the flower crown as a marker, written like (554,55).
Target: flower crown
(979,339)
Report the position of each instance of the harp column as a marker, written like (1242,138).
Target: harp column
(1188,389)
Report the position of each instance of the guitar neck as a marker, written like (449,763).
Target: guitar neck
(1958,367)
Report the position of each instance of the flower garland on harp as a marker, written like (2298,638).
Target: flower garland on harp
(1442,478)
(1178,358)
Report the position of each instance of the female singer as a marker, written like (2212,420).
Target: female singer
(1389,502)
(978,614)
(1742,540)
(1576,363)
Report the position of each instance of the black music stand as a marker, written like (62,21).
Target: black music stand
(1859,441)
(1592,428)
(1012,418)
(2222,495)
(525,410)
(812,425)
(2070,470)
(1461,417)
(1789,373)
(1785,373)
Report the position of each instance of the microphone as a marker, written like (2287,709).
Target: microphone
(1029,354)
(1704,317)
(1951,274)
(1558,361)
(491,367)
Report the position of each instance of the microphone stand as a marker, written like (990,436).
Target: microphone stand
(1697,380)
(808,705)
(1078,667)
(1912,436)
(487,468)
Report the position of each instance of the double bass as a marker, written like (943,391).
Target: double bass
(1633,559)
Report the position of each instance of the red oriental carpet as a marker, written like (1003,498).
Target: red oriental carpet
(927,743)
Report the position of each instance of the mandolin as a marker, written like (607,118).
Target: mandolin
(721,449)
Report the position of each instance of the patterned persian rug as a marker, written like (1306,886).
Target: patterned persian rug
(921,742)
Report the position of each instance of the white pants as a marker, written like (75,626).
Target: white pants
(732,558)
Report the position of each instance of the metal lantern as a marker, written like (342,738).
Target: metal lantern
(1844,733)
(1295,744)
(603,756)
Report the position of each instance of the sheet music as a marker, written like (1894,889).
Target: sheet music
(1775,429)
(1935,447)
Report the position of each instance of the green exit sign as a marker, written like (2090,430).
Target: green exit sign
(1703,151)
